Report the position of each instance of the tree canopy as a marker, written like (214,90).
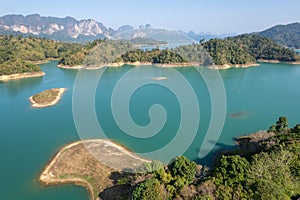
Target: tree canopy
(247,48)
(272,172)
(18,54)
(286,35)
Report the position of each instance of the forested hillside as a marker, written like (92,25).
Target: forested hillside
(285,35)
(18,54)
(244,49)
(265,166)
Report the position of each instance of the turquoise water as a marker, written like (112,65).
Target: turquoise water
(256,97)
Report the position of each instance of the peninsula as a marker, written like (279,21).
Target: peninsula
(94,164)
(20,56)
(47,98)
(253,170)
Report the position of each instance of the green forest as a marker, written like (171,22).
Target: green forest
(109,51)
(285,35)
(239,50)
(154,56)
(245,49)
(264,166)
(18,54)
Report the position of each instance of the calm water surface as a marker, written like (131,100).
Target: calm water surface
(256,97)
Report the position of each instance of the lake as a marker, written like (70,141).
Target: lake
(255,98)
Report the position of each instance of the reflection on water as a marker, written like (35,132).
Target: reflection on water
(69,74)
(256,97)
(239,115)
(14,87)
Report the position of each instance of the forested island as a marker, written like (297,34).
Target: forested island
(242,50)
(264,165)
(47,98)
(19,55)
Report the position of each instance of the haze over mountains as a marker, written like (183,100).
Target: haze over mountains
(63,29)
(69,29)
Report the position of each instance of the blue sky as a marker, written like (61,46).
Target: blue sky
(215,16)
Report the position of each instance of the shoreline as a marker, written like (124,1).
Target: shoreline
(277,62)
(46,179)
(50,174)
(44,61)
(227,66)
(70,67)
(185,64)
(122,149)
(34,104)
(120,64)
(5,78)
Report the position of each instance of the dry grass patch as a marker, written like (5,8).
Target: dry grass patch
(75,164)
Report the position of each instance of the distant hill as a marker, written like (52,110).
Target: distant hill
(247,48)
(147,41)
(170,37)
(207,36)
(286,35)
(69,29)
(63,29)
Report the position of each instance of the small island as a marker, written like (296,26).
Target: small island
(47,98)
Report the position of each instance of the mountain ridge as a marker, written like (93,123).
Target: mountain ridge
(284,34)
(53,26)
(69,29)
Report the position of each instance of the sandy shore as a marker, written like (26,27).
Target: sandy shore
(90,67)
(55,101)
(232,66)
(105,65)
(188,64)
(70,67)
(120,64)
(268,61)
(5,78)
(48,178)
(74,161)
(277,61)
